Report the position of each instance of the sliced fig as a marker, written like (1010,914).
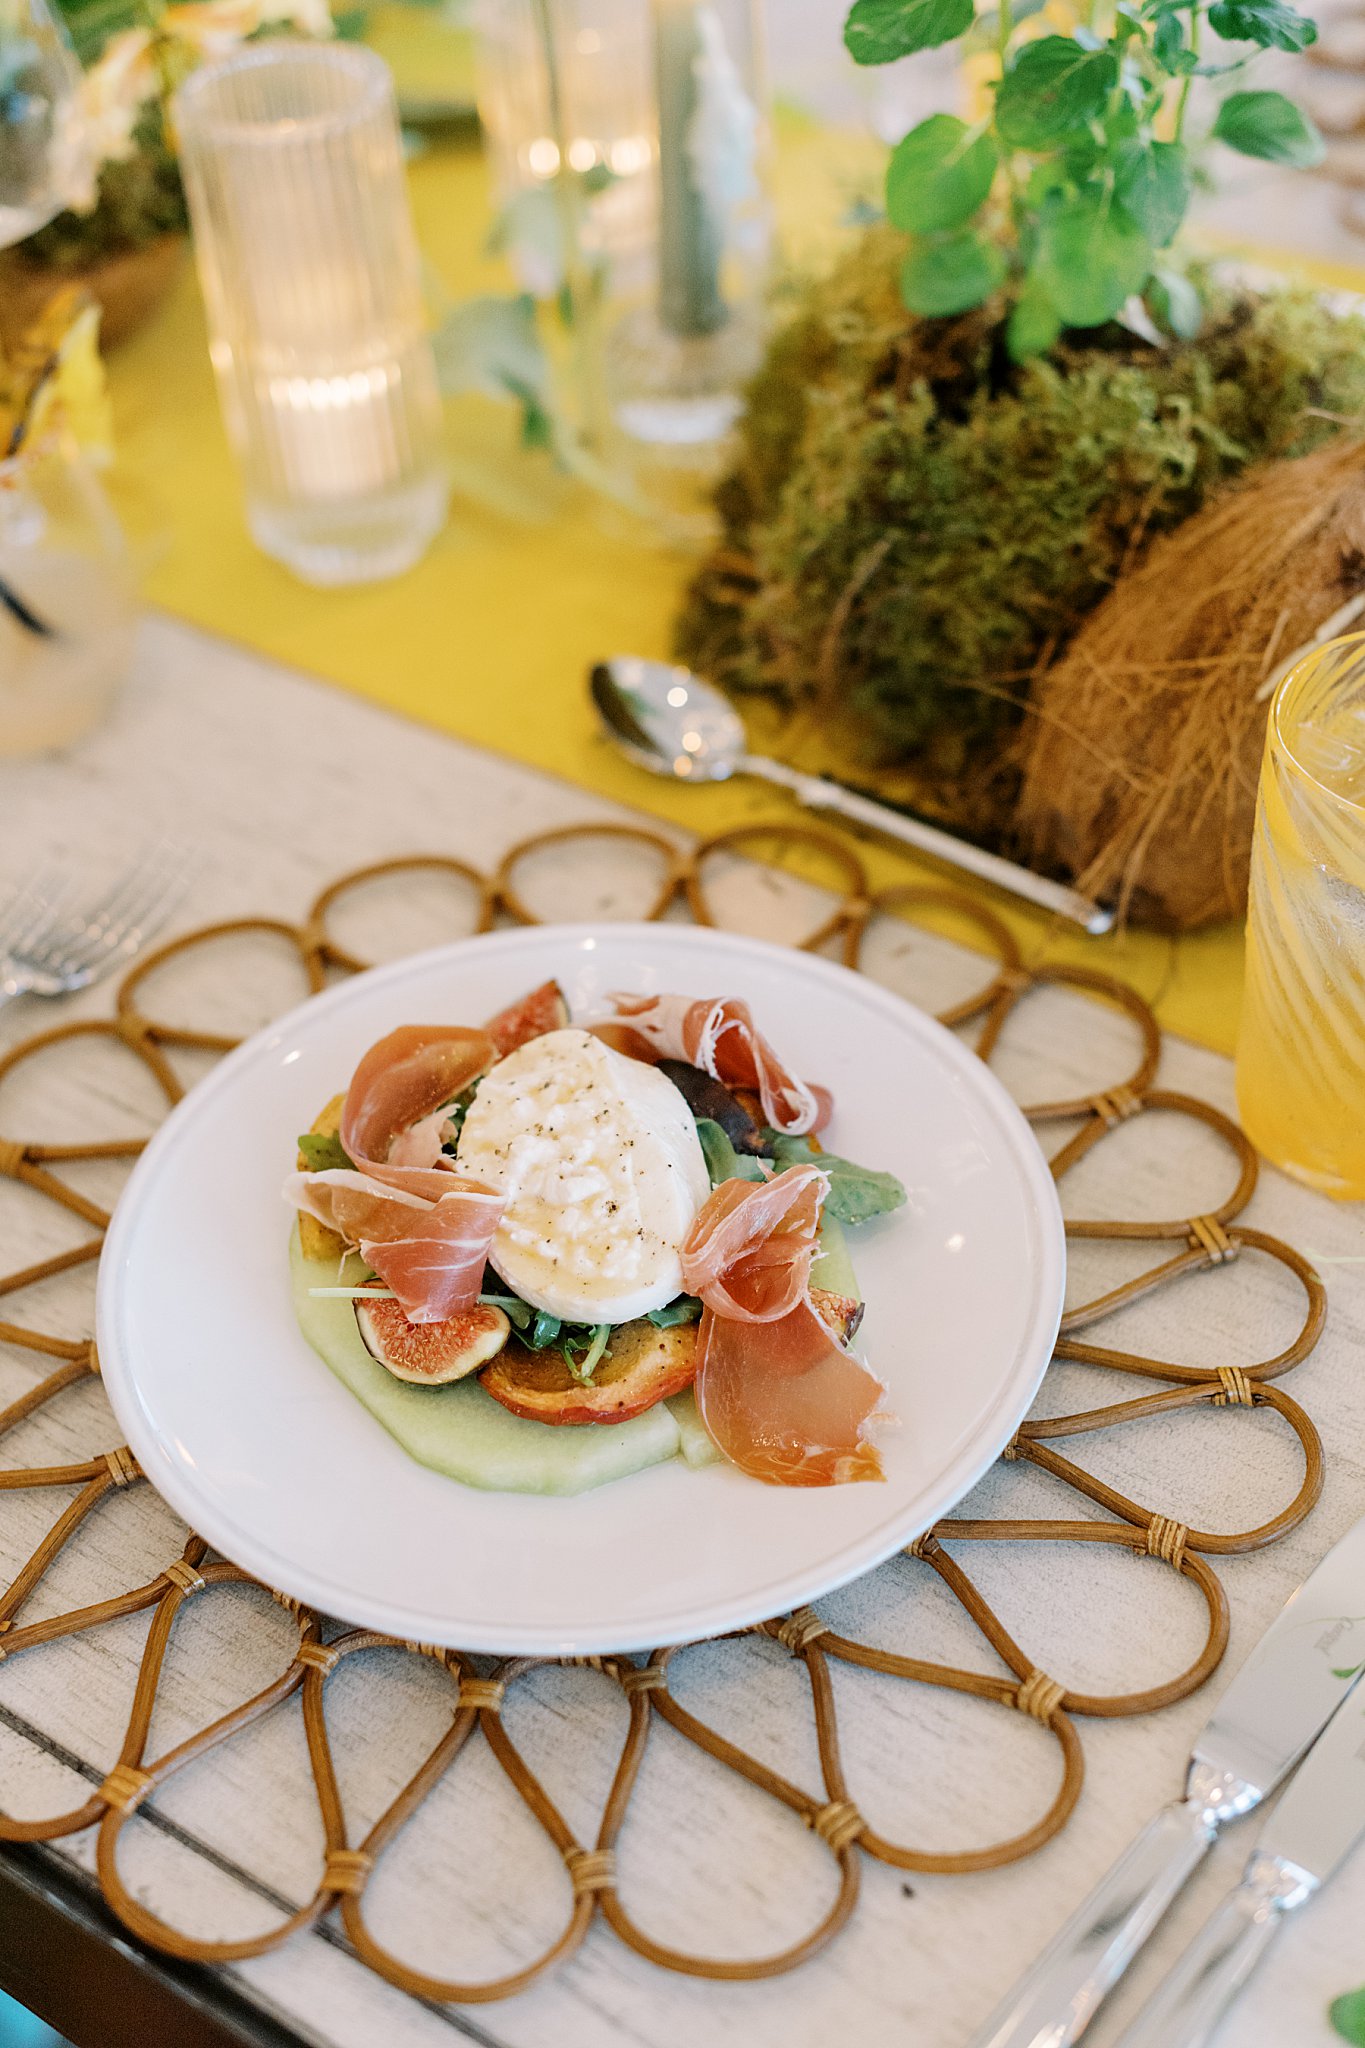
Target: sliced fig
(316,1241)
(431,1354)
(544,1009)
(644,1365)
(842,1312)
(708,1097)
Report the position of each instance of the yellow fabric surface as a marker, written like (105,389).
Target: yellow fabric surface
(491,636)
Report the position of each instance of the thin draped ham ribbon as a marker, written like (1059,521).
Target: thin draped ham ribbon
(779,1395)
(424,1229)
(718,1034)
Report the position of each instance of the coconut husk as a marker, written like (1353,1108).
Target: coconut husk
(1140,763)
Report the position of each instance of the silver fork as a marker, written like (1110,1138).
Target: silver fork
(51,946)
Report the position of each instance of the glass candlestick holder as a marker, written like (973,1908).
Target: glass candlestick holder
(311,276)
(636,133)
(68,603)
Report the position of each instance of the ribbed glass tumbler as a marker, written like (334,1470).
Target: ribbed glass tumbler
(312,280)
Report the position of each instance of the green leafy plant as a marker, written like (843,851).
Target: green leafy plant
(1348,2017)
(1074,185)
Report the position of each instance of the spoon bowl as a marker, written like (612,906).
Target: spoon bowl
(668,720)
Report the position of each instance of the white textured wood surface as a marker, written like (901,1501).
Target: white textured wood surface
(279,783)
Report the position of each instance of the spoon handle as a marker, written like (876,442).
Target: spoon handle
(819,795)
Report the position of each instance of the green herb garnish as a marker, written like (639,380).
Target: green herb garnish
(322,1153)
(855,1192)
(685,1309)
(583,1368)
(517,1312)
(722,1160)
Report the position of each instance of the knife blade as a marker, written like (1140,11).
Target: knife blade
(1280,1700)
(1311,1832)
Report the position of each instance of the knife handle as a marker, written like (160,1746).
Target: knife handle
(1186,2008)
(1056,1999)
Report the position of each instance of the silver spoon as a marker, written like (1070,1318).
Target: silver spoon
(669,721)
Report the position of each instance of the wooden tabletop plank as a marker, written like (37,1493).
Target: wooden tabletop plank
(279,783)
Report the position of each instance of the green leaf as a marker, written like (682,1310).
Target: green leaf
(583,1368)
(544,1330)
(323,1154)
(1054,85)
(1267,125)
(1176,303)
(951,276)
(722,1160)
(1348,2017)
(685,1309)
(1091,256)
(1349,1672)
(1169,47)
(879,31)
(1034,324)
(517,1311)
(1266,22)
(855,1192)
(1153,181)
(939,176)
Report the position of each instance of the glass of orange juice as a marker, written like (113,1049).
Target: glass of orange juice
(1301,1050)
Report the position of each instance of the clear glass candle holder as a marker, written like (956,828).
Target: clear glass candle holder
(68,606)
(39,84)
(311,275)
(646,121)
(1301,1048)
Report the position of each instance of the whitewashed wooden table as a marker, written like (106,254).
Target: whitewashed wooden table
(279,783)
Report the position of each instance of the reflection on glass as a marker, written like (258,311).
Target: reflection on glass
(39,79)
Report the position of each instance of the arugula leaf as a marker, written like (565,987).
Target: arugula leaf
(544,1330)
(855,1192)
(722,1160)
(685,1309)
(584,1368)
(517,1311)
(456,1111)
(323,1153)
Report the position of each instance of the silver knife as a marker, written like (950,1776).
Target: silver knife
(1280,1700)
(1316,1824)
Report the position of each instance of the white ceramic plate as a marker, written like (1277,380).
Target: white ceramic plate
(242,1428)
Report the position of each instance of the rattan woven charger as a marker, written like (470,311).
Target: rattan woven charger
(1192,1244)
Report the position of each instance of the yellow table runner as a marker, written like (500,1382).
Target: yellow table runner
(491,636)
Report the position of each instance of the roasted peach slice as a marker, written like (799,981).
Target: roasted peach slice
(431,1354)
(643,1365)
(316,1241)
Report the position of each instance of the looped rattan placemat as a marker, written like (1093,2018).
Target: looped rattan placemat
(1185,1245)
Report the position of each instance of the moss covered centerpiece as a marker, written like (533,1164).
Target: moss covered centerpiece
(965,437)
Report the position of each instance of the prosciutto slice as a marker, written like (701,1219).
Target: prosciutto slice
(424,1228)
(718,1034)
(779,1395)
